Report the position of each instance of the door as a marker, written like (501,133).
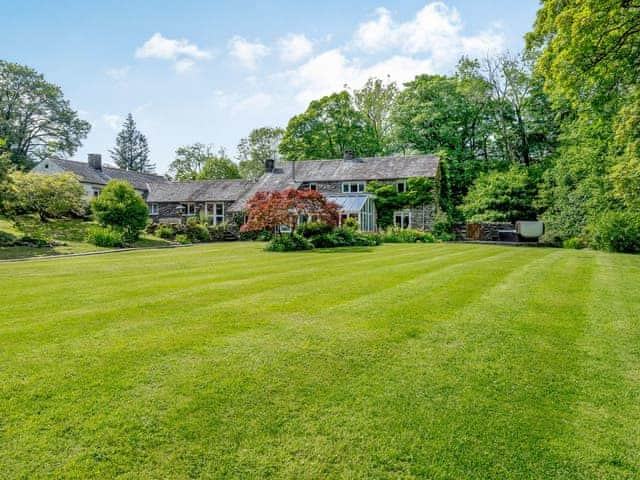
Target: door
(474,231)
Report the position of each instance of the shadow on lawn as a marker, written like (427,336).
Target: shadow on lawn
(343,250)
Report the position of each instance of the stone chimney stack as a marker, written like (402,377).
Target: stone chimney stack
(349,155)
(95,161)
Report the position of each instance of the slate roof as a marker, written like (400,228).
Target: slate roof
(200,191)
(373,168)
(88,174)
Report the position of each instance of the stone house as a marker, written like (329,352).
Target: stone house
(342,181)
(94,176)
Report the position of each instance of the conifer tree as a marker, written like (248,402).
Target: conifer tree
(132,151)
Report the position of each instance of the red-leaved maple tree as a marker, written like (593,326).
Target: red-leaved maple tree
(270,210)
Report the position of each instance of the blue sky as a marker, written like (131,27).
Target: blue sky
(210,71)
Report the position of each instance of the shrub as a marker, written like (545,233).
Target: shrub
(350,223)
(216,232)
(308,230)
(400,235)
(166,232)
(289,243)
(105,237)
(7,239)
(344,237)
(182,239)
(49,196)
(259,235)
(574,243)
(120,207)
(617,232)
(197,233)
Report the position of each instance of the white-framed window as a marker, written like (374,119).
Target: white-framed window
(353,187)
(189,208)
(401,186)
(218,213)
(402,218)
(153,209)
(96,191)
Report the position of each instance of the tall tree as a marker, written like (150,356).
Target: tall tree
(132,151)
(202,162)
(35,119)
(375,101)
(587,54)
(253,150)
(189,161)
(218,167)
(329,127)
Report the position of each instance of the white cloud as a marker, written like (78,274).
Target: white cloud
(184,65)
(436,30)
(181,52)
(330,71)
(113,121)
(294,47)
(247,53)
(253,103)
(118,74)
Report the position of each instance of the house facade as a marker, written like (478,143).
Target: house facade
(343,181)
(94,176)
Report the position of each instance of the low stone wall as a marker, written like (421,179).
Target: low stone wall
(488,230)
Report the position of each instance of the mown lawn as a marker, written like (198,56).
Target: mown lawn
(401,361)
(70,233)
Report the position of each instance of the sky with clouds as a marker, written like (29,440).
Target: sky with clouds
(210,71)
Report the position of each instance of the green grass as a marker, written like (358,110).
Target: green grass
(71,233)
(400,361)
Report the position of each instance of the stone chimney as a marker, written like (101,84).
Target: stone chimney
(349,155)
(269,165)
(95,161)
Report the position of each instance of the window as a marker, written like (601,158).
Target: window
(96,192)
(401,187)
(402,219)
(313,186)
(218,216)
(189,208)
(46,165)
(153,209)
(356,187)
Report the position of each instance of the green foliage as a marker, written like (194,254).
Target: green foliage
(261,144)
(375,101)
(329,127)
(105,237)
(350,223)
(617,231)
(311,229)
(405,235)
(36,121)
(288,243)
(183,239)
(120,207)
(49,196)
(202,162)
(419,191)
(166,232)
(218,168)
(501,197)
(132,150)
(344,237)
(197,232)
(574,243)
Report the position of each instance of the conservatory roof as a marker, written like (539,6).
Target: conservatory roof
(349,203)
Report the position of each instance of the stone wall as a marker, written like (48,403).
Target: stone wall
(489,230)
(422,218)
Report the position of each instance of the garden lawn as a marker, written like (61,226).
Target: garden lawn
(412,361)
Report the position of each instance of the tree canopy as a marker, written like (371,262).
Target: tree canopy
(202,162)
(35,119)
(261,144)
